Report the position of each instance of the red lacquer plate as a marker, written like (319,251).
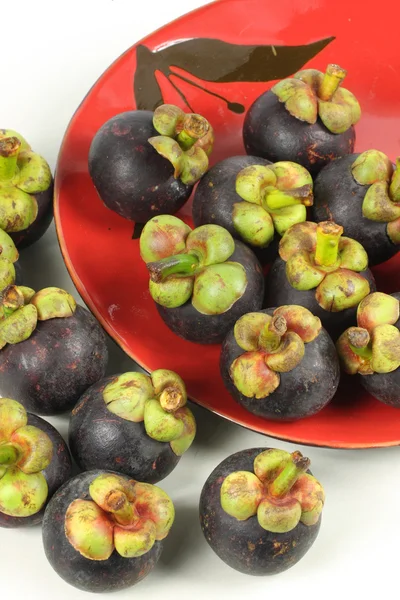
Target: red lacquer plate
(216,61)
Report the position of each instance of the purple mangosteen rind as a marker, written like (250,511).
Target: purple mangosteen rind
(144,164)
(371,350)
(294,380)
(51,349)
(52,455)
(245,545)
(150,429)
(26,190)
(358,191)
(66,541)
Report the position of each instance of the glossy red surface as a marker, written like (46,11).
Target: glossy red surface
(97,244)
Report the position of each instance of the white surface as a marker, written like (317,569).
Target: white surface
(52,52)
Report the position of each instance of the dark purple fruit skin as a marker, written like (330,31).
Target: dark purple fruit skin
(130,177)
(278,292)
(338,197)
(101,439)
(245,545)
(186,322)
(302,392)
(49,371)
(25,238)
(215,196)
(384,386)
(270,131)
(110,575)
(56,474)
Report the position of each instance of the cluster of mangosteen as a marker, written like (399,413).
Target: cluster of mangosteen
(275,269)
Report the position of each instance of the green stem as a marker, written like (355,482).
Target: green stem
(275,199)
(290,474)
(194,128)
(119,506)
(171,399)
(394,189)
(359,342)
(178,264)
(8,454)
(333,77)
(327,248)
(270,336)
(9,150)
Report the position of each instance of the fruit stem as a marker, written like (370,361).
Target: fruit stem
(270,336)
(359,342)
(11,300)
(194,128)
(394,189)
(333,77)
(328,238)
(171,399)
(8,454)
(275,199)
(119,506)
(9,150)
(178,264)
(290,474)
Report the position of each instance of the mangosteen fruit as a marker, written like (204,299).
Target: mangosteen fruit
(307,119)
(362,193)
(372,349)
(201,280)
(34,463)
(323,271)
(103,532)
(51,349)
(280,364)
(253,199)
(133,423)
(260,510)
(10,270)
(26,190)
(145,163)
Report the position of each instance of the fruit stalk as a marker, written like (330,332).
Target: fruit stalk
(333,77)
(359,341)
(276,199)
(178,264)
(327,248)
(9,151)
(8,454)
(171,399)
(119,506)
(270,336)
(194,128)
(290,474)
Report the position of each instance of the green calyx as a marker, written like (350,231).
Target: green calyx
(374,345)
(274,198)
(318,257)
(311,94)
(21,308)
(272,345)
(8,256)
(125,516)
(23,174)
(159,401)
(186,140)
(382,199)
(25,452)
(279,493)
(200,271)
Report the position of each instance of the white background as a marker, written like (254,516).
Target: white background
(51,54)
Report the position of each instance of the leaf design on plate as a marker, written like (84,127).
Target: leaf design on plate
(216,61)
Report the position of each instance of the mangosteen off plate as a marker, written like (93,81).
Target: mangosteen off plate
(216,61)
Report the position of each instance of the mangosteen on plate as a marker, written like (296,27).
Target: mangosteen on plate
(26,190)
(144,164)
(362,193)
(201,280)
(51,349)
(253,198)
(372,349)
(133,423)
(103,532)
(307,119)
(280,364)
(34,463)
(260,510)
(323,271)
